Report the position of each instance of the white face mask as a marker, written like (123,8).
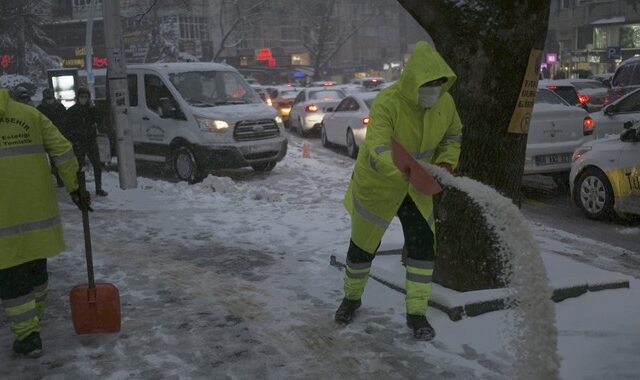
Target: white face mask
(428,96)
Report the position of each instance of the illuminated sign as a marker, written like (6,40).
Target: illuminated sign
(264,55)
(99,62)
(552,57)
(271,62)
(6,60)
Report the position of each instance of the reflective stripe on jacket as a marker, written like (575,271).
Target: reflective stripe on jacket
(377,188)
(30,226)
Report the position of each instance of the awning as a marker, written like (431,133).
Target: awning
(610,20)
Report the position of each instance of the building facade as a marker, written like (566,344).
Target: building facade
(592,36)
(269,38)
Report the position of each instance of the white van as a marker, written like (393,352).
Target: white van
(198,117)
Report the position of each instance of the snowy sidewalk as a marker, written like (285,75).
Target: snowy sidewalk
(236,284)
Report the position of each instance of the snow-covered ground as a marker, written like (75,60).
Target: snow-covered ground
(230,279)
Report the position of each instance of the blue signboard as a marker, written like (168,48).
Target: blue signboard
(614,52)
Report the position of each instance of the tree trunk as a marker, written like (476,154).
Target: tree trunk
(488,45)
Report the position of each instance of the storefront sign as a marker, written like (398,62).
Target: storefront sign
(264,55)
(552,57)
(6,60)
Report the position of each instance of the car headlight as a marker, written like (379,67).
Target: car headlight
(278,120)
(209,125)
(578,153)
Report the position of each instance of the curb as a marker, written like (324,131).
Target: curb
(473,309)
(458,312)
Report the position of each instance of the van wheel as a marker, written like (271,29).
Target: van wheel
(185,166)
(264,166)
(352,148)
(594,195)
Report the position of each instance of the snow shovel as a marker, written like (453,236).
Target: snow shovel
(419,176)
(95,308)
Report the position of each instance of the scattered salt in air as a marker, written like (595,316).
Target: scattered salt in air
(532,332)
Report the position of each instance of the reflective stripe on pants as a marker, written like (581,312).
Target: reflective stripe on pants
(418,285)
(357,272)
(23,317)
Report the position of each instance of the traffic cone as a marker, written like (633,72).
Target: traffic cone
(306,150)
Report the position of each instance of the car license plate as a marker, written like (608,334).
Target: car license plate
(553,159)
(264,148)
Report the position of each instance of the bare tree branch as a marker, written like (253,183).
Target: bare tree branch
(242,16)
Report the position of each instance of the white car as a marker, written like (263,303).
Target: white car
(310,106)
(556,130)
(347,124)
(612,118)
(605,175)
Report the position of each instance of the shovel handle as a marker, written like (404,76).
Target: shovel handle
(87,231)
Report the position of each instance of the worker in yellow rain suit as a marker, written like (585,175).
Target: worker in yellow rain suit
(420,113)
(30,228)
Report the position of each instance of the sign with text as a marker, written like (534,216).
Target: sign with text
(524,106)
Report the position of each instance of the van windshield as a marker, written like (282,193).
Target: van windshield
(213,88)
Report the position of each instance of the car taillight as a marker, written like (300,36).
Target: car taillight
(584,99)
(311,108)
(587,126)
(366,120)
(605,101)
(552,88)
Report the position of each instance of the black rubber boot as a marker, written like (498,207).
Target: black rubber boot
(31,346)
(422,330)
(347,308)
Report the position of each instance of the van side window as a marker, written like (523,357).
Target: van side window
(132,80)
(154,90)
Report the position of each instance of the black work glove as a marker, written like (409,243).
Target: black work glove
(82,202)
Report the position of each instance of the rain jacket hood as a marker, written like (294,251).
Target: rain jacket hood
(425,65)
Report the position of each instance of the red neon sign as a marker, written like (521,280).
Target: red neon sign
(264,55)
(271,62)
(6,60)
(99,62)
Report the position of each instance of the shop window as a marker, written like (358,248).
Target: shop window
(630,36)
(600,38)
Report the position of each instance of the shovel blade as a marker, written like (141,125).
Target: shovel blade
(95,310)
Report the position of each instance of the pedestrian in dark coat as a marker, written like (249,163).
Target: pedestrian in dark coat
(82,129)
(56,112)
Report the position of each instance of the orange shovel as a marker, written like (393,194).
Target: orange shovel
(95,308)
(419,176)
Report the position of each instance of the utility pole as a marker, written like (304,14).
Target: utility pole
(119,93)
(22,41)
(91,79)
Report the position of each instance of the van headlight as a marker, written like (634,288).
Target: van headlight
(278,121)
(209,125)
